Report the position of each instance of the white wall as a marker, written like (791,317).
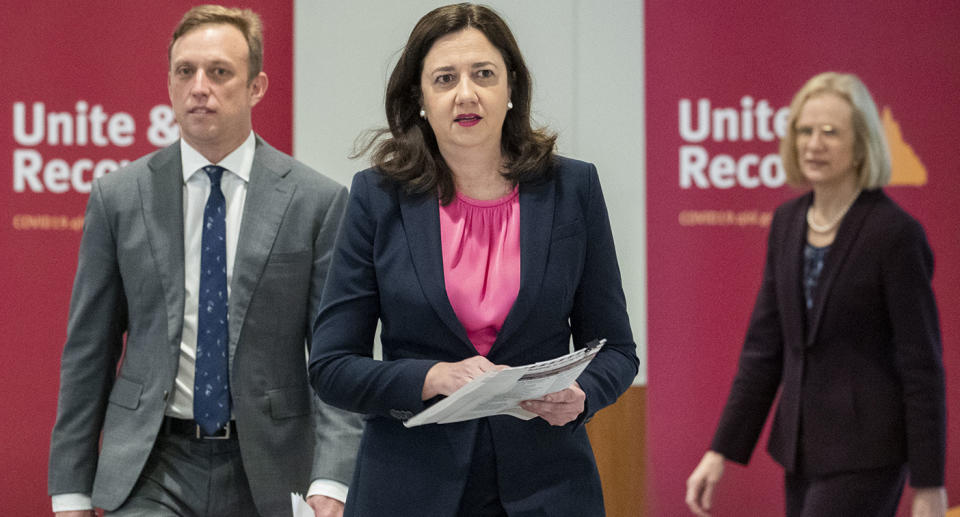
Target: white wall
(587,64)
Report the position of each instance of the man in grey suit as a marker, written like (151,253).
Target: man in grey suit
(144,274)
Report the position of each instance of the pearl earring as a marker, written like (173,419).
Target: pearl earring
(509,105)
(423,114)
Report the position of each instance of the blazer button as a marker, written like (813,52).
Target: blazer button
(400,415)
(166,394)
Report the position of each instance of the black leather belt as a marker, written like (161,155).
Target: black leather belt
(190,428)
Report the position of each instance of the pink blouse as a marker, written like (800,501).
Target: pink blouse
(481,263)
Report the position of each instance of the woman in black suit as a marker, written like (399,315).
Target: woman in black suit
(475,247)
(845,326)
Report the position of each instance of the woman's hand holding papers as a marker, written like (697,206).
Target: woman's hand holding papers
(558,408)
(446,378)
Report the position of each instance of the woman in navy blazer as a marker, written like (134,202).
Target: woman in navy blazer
(458,107)
(845,326)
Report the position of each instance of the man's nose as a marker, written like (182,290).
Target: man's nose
(200,84)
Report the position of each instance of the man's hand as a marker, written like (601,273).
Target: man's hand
(77,513)
(324,506)
(558,408)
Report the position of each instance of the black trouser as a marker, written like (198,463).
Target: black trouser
(481,496)
(865,493)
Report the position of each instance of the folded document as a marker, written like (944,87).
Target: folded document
(500,392)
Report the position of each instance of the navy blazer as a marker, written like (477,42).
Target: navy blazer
(864,386)
(387,264)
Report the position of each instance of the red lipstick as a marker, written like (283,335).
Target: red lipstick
(468,119)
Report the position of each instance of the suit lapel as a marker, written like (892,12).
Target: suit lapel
(421,224)
(842,244)
(536,220)
(791,277)
(268,194)
(161,192)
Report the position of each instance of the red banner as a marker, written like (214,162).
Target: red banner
(719,77)
(85,92)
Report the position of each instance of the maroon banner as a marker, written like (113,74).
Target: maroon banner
(719,77)
(85,91)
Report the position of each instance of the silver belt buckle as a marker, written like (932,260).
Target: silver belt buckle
(224,436)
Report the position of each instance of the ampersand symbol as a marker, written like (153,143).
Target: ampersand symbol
(163,128)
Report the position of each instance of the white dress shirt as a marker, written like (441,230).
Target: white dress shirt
(196,188)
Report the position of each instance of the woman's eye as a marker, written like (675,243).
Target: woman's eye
(444,79)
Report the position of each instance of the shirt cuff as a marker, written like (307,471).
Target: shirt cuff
(330,488)
(71,502)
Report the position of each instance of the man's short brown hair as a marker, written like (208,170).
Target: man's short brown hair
(245,20)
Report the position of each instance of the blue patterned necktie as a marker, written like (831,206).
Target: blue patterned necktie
(211,388)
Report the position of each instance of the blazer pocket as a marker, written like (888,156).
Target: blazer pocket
(126,393)
(562,231)
(290,257)
(289,402)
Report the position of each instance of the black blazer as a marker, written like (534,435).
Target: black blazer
(864,387)
(387,264)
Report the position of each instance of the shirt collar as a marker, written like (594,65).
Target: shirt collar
(239,162)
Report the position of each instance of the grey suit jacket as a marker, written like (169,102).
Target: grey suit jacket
(130,283)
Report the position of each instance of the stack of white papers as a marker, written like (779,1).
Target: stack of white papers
(500,392)
(300,507)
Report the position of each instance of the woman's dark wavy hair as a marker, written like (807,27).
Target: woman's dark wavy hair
(407,151)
